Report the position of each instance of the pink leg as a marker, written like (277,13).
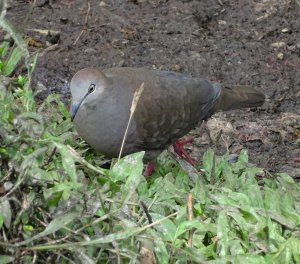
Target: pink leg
(179,149)
(150,168)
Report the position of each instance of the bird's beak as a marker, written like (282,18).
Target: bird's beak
(75,107)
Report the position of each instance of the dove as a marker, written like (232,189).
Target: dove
(171,104)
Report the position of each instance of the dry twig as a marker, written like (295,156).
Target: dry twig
(85,23)
(190,217)
(136,97)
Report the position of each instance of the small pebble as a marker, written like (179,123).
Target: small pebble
(285,30)
(280,55)
(177,67)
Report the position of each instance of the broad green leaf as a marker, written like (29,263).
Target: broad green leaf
(240,259)
(253,191)
(27,99)
(12,62)
(196,225)
(287,251)
(277,218)
(287,185)
(166,228)
(243,157)
(224,169)
(189,254)
(223,230)
(241,224)
(200,192)
(5,211)
(1,221)
(18,39)
(208,162)
(30,124)
(65,186)
(4,47)
(161,250)
(128,166)
(272,200)
(130,169)
(31,161)
(4,259)
(182,180)
(67,161)
(129,232)
(56,224)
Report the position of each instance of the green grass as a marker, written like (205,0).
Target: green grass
(58,205)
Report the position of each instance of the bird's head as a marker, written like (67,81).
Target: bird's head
(86,85)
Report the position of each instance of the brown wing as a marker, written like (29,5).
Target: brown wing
(171,105)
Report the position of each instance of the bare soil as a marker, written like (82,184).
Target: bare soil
(254,42)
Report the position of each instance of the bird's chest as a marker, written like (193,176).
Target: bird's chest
(104,126)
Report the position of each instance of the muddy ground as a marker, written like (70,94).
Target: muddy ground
(255,42)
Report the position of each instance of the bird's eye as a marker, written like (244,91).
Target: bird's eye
(92,88)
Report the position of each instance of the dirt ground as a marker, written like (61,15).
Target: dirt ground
(255,42)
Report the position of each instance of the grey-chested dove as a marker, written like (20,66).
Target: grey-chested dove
(170,105)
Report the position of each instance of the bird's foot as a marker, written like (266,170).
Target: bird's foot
(178,147)
(150,168)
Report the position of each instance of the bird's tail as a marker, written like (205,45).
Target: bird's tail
(240,96)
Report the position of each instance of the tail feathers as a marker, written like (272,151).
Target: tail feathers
(241,96)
